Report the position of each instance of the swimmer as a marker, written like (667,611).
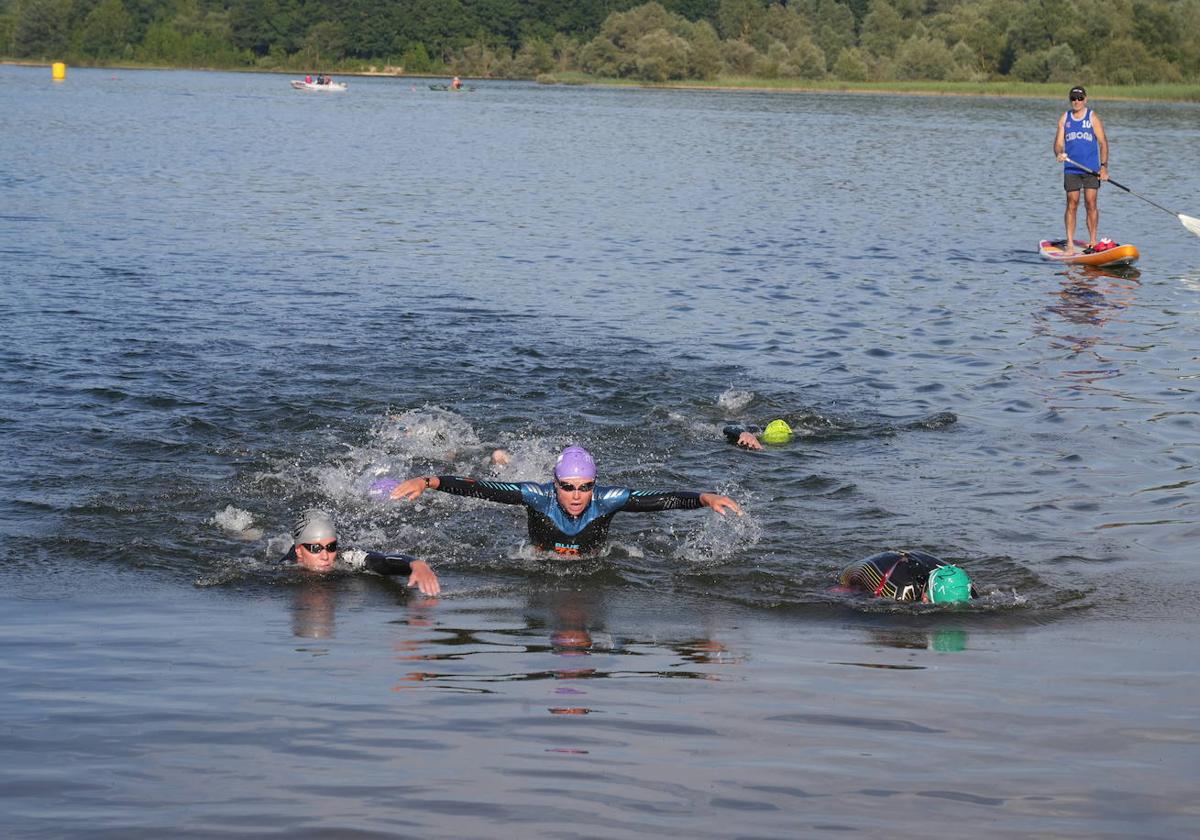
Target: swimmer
(753,437)
(908,576)
(571,514)
(316,549)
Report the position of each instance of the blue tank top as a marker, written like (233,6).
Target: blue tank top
(1080,143)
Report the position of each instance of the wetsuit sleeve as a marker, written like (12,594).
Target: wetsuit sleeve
(388,564)
(504,492)
(648,500)
(734,430)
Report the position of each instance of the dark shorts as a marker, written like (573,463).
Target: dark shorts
(1075,181)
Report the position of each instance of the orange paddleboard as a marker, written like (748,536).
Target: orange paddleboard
(1115,255)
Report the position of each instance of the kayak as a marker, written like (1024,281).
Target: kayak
(1106,253)
(451,89)
(300,84)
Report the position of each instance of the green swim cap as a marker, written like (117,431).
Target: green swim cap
(948,584)
(777,431)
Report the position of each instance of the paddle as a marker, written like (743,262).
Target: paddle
(1189,222)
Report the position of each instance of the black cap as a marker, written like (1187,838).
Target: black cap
(1077,92)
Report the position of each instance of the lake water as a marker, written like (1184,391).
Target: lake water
(225,301)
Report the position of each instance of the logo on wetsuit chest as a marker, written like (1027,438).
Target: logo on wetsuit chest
(563,548)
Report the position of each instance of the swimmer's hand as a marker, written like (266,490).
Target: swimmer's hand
(500,457)
(749,441)
(414,487)
(423,578)
(720,504)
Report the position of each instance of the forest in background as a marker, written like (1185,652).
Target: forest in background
(1116,42)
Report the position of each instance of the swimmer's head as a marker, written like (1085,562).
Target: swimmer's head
(575,462)
(314,526)
(948,584)
(777,431)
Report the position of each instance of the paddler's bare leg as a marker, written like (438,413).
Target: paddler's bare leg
(1091,208)
(1069,219)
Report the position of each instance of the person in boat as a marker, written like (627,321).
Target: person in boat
(315,549)
(308,79)
(456,84)
(753,437)
(571,514)
(1080,139)
(908,576)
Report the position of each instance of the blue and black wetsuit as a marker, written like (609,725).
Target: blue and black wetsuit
(898,575)
(357,560)
(553,529)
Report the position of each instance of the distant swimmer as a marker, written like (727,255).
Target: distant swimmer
(908,576)
(753,437)
(571,514)
(316,549)
(456,84)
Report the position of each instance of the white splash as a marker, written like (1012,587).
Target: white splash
(237,522)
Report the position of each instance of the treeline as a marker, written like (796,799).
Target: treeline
(1101,41)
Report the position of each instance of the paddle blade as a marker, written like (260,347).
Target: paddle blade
(1191,223)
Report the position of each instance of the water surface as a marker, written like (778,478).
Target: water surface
(225,300)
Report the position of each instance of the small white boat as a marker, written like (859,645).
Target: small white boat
(300,84)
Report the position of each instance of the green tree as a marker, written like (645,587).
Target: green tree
(922,57)
(851,65)
(738,18)
(704,60)
(106,30)
(324,43)
(883,30)
(42,29)
(738,57)
(416,59)
(661,55)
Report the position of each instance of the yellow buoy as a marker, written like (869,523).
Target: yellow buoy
(58,71)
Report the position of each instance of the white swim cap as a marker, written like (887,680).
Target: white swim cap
(314,525)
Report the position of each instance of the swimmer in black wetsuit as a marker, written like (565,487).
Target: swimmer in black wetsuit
(908,576)
(316,550)
(570,515)
(753,437)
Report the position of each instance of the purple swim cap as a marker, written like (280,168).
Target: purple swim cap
(575,462)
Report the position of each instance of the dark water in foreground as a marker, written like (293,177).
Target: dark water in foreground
(225,300)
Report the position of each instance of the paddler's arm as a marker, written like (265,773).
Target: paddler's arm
(1102,140)
(1060,139)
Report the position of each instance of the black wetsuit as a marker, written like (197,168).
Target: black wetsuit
(734,431)
(899,575)
(357,560)
(550,527)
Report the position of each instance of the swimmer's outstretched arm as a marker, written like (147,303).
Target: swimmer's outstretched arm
(420,575)
(504,492)
(743,436)
(423,578)
(720,504)
(649,500)
(412,488)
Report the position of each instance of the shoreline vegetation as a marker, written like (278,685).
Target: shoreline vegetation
(1143,50)
(1183,93)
